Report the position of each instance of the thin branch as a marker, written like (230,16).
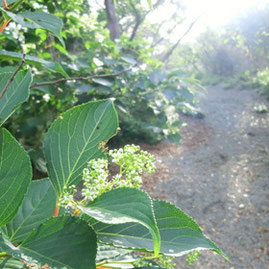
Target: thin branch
(138,19)
(154,44)
(80,78)
(12,77)
(167,55)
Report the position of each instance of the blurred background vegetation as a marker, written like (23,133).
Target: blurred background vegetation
(144,63)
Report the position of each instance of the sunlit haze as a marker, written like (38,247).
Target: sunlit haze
(213,13)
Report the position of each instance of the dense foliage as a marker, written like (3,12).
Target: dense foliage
(147,99)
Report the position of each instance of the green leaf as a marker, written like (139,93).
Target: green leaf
(63,242)
(38,20)
(53,67)
(11,263)
(37,207)
(125,205)
(17,92)
(15,176)
(76,137)
(103,82)
(179,233)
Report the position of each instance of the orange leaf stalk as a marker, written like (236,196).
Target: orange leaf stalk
(57,208)
(5,4)
(4,25)
(76,212)
(56,212)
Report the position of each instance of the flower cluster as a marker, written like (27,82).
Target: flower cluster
(132,162)
(95,179)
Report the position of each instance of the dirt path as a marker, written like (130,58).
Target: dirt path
(220,176)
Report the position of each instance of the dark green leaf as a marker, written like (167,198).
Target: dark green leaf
(125,205)
(15,176)
(53,67)
(63,242)
(76,137)
(17,92)
(37,206)
(38,19)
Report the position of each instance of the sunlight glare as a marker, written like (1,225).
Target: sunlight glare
(218,12)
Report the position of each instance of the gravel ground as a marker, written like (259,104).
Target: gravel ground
(220,176)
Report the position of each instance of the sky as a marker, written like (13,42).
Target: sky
(214,14)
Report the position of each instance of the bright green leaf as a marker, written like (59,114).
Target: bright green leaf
(63,242)
(125,205)
(37,206)
(38,19)
(179,233)
(53,67)
(150,3)
(76,137)
(17,92)
(15,176)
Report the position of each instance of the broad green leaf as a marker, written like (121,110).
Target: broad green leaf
(76,137)
(103,82)
(179,233)
(37,207)
(53,67)
(125,205)
(38,19)
(17,92)
(63,242)
(15,176)
(11,263)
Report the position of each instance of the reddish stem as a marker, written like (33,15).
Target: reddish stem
(77,212)
(5,4)
(56,212)
(4,25)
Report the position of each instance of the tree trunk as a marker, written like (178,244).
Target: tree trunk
(112,20)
